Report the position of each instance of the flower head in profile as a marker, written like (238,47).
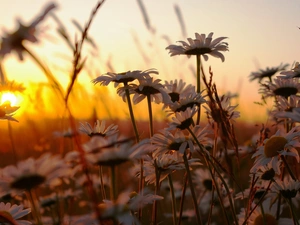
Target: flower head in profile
(288,187)
(123,78)
(14,213)
(99,129)
(269,72)
(7,111)
(177,88)
(201,45)
(280,144)
(295,72)
(280,87)
(31,173)
(14,41)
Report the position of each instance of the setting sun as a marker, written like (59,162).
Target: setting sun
(9,97)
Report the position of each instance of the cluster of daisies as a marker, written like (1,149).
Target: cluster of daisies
(188,172)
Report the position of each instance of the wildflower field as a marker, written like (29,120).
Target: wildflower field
(167,151)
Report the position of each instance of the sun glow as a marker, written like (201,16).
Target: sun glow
(9,97)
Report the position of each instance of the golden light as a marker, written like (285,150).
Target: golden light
(9,97)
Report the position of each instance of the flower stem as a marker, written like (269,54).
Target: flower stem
(182,197)
(102,182)
(35,209)
(13,147)
(294,214)
(156,192)
(47,72)
(113,190)
(131,114)
(186,163)
(288,168)
(172,199)
(150,115)
(198,57)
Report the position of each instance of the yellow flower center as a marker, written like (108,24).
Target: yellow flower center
(267,219)
(274,145)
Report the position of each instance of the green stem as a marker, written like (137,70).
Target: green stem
(182,200)
(13,147)
(47,72)
(156,192)
(288,167)
(132,114)
(150,115)
(186,164)
(113,188)
(35,209)
(198,57)
(173,199)
(294,214)
(102,182)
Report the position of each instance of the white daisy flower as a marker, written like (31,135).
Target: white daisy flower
(48,169)
(176,89)
(267,215)
(99,129)
(183,119)
(280,144)
(201,45)
(14,213)
(267,73)
(289,188)
(281,87)
(295,72)
(124,78)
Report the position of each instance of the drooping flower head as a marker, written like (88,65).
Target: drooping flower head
(7,111)
(201,45)
(15,41)
(269,72)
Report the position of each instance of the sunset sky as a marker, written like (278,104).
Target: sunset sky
(261,33)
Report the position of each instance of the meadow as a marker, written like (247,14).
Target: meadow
(128,147)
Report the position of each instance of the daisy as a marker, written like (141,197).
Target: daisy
(165,141)
(114,154)
(202,179)
(284,105)
(183,119)
(295,72)
(14,41)
(224,107)
(7,111)
(31,173)
(176,89)
(289,188)
(187,100)
(267,73)
(280,144)
(14,213)
(294,114)
(201,45)
(280,87)
(268,173)
(99,129)
(166,164)
(264,214)
(148,87)
(124,78)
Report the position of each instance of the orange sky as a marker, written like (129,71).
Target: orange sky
(260,34)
